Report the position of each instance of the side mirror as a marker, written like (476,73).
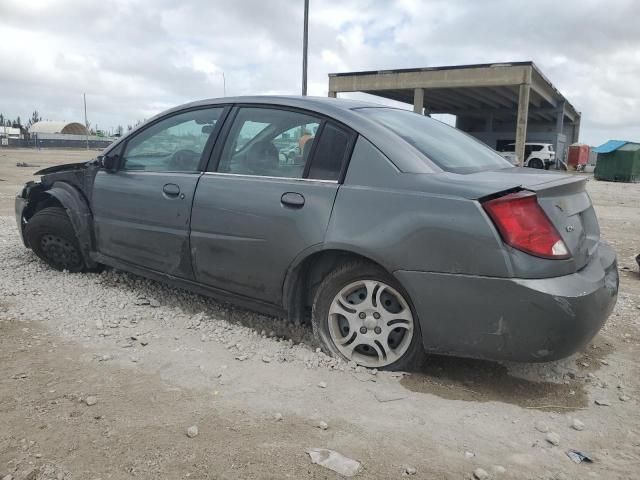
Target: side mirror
(110,162)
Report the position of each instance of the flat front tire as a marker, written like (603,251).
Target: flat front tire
(361,314)
(51,236)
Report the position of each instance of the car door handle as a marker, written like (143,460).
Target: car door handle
(292,200)
(171,190)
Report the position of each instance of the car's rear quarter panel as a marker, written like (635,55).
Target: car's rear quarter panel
(376,215)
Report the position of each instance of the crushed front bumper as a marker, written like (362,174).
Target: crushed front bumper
(528,320)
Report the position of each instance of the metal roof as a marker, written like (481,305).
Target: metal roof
(463,89)
(46,126)
(610,146)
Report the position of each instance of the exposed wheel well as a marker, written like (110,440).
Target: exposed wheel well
(303,281)
(38,200)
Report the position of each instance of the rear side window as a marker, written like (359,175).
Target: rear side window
(330,154)
(447,147)
(269,142)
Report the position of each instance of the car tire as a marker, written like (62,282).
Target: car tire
(360,332)
(536,163)
(51,236)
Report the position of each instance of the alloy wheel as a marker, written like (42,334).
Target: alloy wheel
(371,323)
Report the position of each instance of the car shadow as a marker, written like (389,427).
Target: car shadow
(473,380)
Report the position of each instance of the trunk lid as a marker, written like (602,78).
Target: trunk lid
(569,207)
(562,197)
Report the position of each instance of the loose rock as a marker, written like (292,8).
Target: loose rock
(553,438)
(90,400)
(480,474)
(603,402)
(192,431)
(498,469)
(322,425)
(266,359)
(542,427)
(624,398)
(577,425)
(322,384)
(410,470)
(277,417)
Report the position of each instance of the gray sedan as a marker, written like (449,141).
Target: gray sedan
(391,233)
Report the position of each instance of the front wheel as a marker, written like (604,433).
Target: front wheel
(361,314)
(51,236)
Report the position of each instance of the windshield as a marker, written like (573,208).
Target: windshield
(449,148)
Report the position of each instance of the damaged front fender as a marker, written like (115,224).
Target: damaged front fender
(79,214)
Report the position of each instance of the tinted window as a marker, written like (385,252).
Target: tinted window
(268,142)
(173,144)
(330,153)
(449,148)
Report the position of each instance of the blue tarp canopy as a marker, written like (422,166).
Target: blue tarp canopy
(610,146)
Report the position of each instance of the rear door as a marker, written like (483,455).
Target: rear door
(141,211)
(267,197)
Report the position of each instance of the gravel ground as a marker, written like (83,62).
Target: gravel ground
(157,360)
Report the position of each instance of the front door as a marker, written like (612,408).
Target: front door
(268,198)
(142,211)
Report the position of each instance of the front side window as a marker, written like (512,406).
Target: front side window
(174,144)
(269,142)
(447,147)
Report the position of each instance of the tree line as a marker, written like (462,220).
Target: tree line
(17,123)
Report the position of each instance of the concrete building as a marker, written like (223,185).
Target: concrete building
(496,103)
(10,132)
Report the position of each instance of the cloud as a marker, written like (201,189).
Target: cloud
(135,58)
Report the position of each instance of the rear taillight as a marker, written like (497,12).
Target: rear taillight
(523,224)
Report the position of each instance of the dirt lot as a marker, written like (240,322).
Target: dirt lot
(158,360)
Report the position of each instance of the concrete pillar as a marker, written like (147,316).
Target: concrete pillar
(488,123)
(333,94)
(523,116)
(418,100)
(560,130)
(576,131)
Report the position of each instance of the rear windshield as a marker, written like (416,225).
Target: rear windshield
(449,148)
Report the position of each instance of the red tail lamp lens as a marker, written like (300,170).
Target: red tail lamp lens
(523,224)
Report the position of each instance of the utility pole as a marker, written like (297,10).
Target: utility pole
(224,85)
(86,124)
(305,45)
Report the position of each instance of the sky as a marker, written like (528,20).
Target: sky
(135,58)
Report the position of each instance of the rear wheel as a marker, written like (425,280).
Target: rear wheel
(362,314)
(51,236)
(536,163)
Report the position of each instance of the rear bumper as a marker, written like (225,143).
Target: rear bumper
(528,320)
(20,205)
